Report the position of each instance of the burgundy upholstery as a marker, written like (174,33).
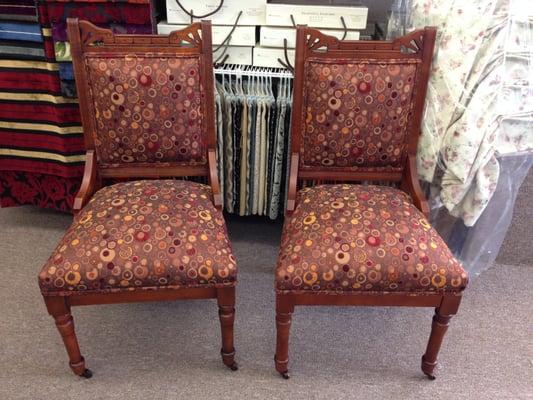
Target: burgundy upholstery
(356,114)
(343,238)
(142,235)
(147,109)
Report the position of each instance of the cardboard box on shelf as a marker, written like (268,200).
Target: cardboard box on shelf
(253,11)
(268,56)
(319,16)
(272,36)
(236,55)
(241,36)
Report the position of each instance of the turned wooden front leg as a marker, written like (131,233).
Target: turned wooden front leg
(226,312)
(284,310)
(441,321)
(60,311)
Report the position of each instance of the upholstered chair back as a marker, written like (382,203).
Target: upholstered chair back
(146,100)
(358,104)
(147,108)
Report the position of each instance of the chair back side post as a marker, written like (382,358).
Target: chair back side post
(411,54)
(298,87)
(209,81)
(81,83)
(430,34)
(176,55)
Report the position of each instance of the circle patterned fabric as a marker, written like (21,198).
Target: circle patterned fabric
(147,109)
(142,235)
(363,238)
(356,114)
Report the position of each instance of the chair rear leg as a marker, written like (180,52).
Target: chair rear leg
(284,310)
(60,311)
(441,320)
(226,312)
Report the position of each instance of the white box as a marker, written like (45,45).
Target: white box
(316,16)
(253,11)
(241,36)
(237,55)
(272,36)
(268,57)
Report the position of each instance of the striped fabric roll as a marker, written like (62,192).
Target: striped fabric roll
(40,130)
(100,12)
(41,142)
(68,88)
(59,29)
(21,50)
(66,71)
(41,149)
(20,31)
(18,10)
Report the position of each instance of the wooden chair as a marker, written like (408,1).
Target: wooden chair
(147,107)
(356,118)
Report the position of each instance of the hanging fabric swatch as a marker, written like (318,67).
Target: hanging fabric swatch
(253,116)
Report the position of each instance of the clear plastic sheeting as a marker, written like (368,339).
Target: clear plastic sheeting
(478,246)
(476,144)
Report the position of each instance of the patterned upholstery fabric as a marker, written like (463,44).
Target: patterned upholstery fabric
(148,109)
(142,234)
(356,114)
(344,238)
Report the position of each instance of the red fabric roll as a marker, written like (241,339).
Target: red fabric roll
(42,190)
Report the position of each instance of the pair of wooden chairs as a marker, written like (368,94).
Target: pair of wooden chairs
(147,105)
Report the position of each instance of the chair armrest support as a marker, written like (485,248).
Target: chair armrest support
(411,185)
(213,178)
(89,183)
(293,183)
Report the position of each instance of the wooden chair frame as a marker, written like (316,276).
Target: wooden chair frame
(83,36)
(311,43)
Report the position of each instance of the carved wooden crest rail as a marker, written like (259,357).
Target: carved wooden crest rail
(91,35)
(410,44)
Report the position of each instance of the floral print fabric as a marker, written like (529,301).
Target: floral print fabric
(480,97)
(148,109)
(356,113)
(142,235)
(343,238)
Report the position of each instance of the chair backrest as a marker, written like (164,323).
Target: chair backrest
(358,104)
(146,101)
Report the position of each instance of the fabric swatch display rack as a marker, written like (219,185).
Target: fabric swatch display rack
(253,108)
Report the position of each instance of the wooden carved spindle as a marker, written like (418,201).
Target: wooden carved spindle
(284,311)
(439,326)
(226,313)
(65,326)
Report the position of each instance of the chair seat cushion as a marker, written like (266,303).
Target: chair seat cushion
(145,234)
(344,238)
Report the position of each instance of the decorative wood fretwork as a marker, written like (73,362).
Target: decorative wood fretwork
(410,44)
(91,35)
(316,40)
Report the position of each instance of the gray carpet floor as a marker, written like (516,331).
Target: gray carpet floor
(171,350)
